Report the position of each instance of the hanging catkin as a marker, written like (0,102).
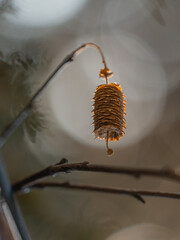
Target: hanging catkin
(109,111)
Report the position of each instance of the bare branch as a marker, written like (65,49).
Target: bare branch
(90,188)
(123,191)
(63,166)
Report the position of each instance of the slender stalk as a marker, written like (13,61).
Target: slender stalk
(63,166)
(7,195)
(123,191)
(27,109)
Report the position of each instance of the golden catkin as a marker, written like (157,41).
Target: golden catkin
(109,112)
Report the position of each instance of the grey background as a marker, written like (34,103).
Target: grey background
(141,41)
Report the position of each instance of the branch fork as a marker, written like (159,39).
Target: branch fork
(37,180)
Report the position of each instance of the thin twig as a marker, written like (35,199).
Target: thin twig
(63,166)
(27,109)
(88,188)
(131,192)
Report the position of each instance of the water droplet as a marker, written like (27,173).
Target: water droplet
(26,190)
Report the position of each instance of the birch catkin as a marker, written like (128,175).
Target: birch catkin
(109,112)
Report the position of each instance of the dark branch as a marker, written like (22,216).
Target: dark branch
(87,188)
(131,192)
(63,166)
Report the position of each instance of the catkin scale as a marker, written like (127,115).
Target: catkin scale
(108,113)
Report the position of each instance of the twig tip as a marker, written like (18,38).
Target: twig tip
(62,161)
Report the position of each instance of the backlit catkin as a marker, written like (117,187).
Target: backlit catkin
(109,112)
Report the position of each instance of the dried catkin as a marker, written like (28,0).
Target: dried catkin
(109,112)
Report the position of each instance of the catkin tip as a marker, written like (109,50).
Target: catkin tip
(109,151)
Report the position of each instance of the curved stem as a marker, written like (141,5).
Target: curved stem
(27,109)
(94,46)
(100,52)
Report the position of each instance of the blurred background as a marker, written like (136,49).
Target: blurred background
(141,43)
